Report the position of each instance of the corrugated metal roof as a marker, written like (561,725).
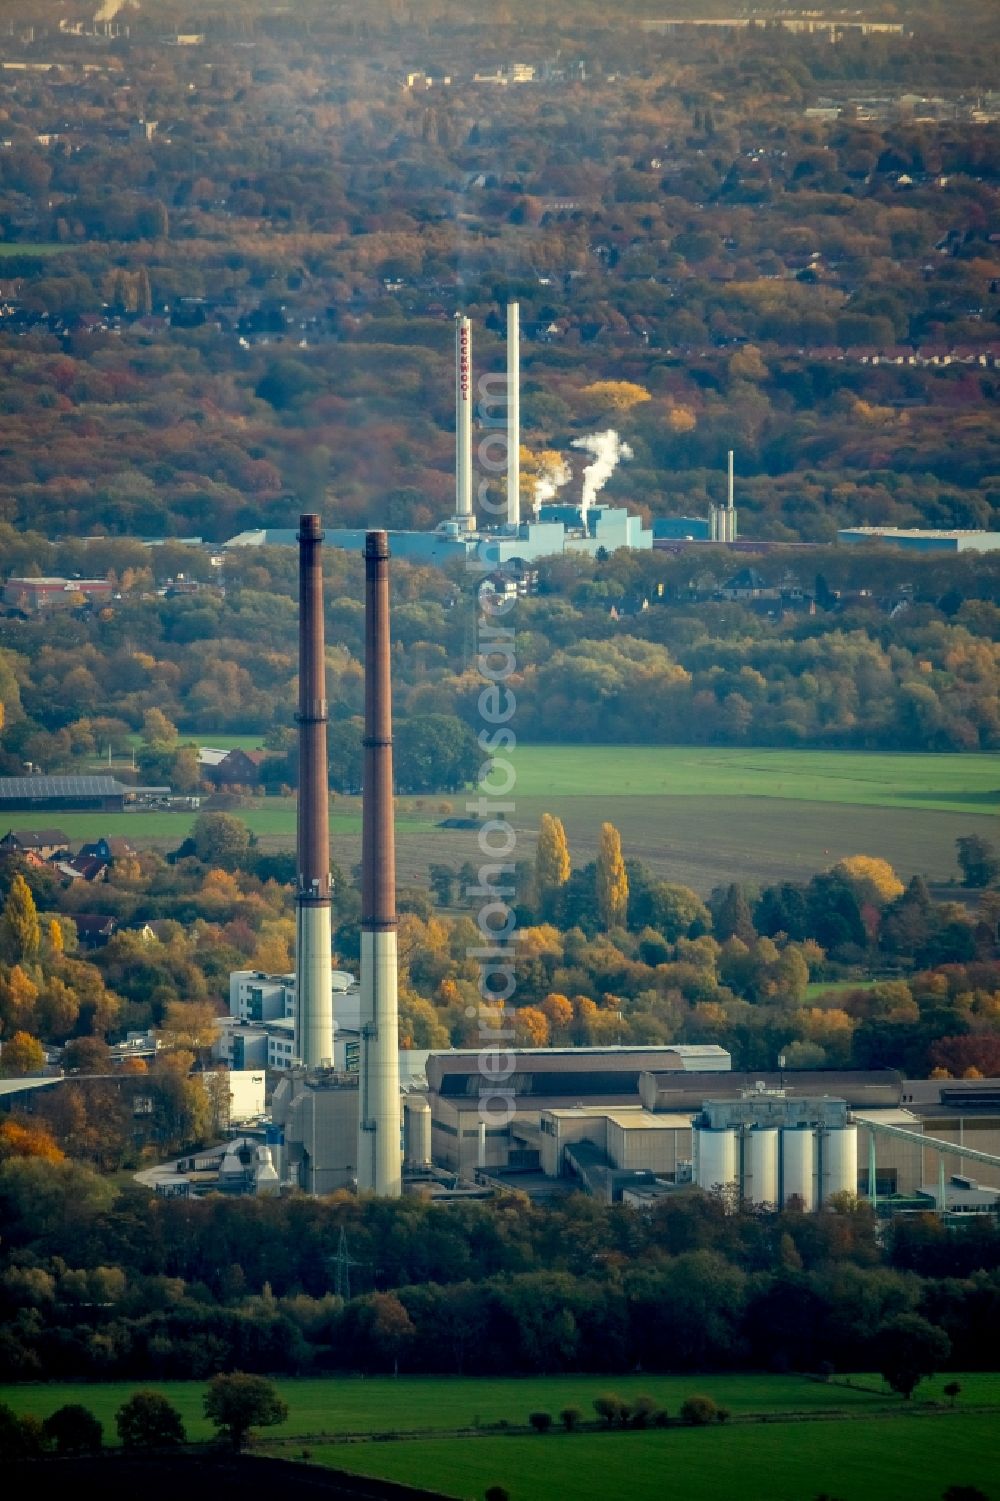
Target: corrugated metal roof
(43,787)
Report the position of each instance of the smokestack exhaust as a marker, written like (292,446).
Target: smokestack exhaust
(463,424)
(379,1142)
(313,964)
(513,414)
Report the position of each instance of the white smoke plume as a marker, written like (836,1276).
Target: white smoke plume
(551,480)
(607,451)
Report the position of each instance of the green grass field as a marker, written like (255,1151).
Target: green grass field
(952,783)
(871,1459)
(700,817)
(423,1403)
(857,1442)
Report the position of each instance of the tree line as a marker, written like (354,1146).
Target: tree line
(101,1283)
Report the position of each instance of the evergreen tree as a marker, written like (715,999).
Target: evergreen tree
(612,878)
(978,860)
(733,918)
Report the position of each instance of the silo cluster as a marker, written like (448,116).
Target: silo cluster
(775,1150)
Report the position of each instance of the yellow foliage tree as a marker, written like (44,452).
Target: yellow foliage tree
(614,395)
(552,863)
(748,364)
(872,879)
(22,1055)
(188,1027)
(18,994)
(681,418)
(559,1010)
(21,930)
(531,1027)
(612,878)
(18,1140)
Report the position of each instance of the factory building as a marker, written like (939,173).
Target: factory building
(314,1118)
(557,530)
(543,1080)
(630,1124)
(584,527)
(920,539)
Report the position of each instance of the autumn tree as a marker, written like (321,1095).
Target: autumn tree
(18,995)
(189,1026)
(28,1139)
(552,863)
(611,878)
(873,880)
(149,1421)
(157,729)
(220,839)
(614,395)
(20,930)
(21,1056)
(237,1402)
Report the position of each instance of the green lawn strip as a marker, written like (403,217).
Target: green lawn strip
(351,1405)
(272,819)
(827,988)
(979,1388)
(867,1459)
(11,248)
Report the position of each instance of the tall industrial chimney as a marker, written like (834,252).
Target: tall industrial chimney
(379,1141)
(463,424)
(513,414)
(730,522)
(314,983)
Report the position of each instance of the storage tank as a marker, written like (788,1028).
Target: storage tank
(714,1157)
(760,1165)
(798,1166)
(416,1131)
(840,1161)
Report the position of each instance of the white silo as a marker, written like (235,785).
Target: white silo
(840,1161)
(715,1162)
(760,1165)
(798,1166)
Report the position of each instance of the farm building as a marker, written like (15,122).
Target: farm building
(85,794)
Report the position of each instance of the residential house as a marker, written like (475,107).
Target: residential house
(43,843)
(94,929)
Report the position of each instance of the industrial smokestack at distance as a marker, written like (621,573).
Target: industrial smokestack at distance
(463,423)
(379,1142)
(731,491)
(313,966)
(513,414)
